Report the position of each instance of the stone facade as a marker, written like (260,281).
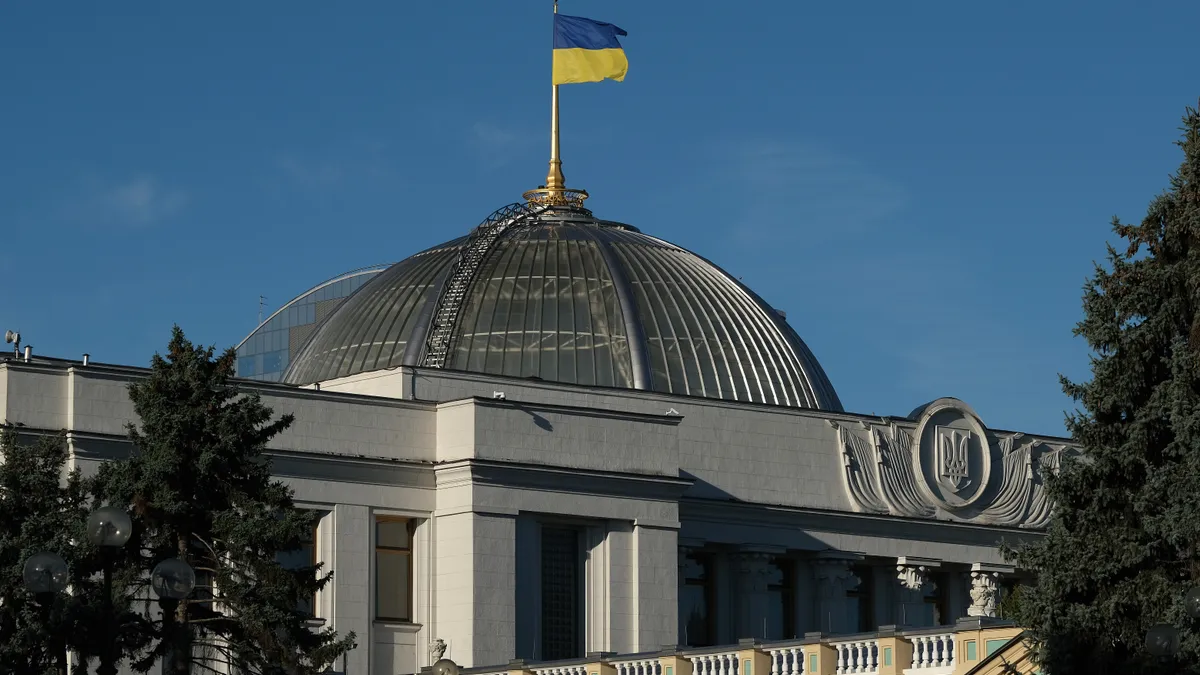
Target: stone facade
(628,512)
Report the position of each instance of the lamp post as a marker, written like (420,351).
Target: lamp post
(1162,639)
(109,528)
(173,580)
(46,575)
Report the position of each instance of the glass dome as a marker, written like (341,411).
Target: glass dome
(557,294)
(266,352)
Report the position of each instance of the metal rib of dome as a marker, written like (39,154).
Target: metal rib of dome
(559,295)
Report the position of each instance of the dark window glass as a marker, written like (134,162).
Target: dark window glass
(862,600)
(696,621)
(393,569)
(782,605)
(562,590)
(938,613)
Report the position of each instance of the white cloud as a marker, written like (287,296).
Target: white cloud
(141,200)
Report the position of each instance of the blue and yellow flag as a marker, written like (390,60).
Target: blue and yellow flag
(587,51)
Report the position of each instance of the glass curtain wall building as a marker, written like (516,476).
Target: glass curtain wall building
(266,353)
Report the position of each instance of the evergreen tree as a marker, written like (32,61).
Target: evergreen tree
(200,488)
(1123,547)
(43,508)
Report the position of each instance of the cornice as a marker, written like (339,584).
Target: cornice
(578,411)
(744,514)
(560,479)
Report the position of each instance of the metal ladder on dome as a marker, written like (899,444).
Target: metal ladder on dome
(474,250)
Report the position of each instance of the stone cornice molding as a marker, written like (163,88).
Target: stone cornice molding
(324,466)
(560,479)
(578,411)
(743,514)
(133,373)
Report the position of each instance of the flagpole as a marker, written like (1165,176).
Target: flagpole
(555,192)
(555,181)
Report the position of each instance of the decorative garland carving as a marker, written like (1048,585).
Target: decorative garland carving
(998,479)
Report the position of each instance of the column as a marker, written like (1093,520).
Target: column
(914,584)
(985,588)
(655,566)
(352,604)
(754,574)
(834,579)
(475,601)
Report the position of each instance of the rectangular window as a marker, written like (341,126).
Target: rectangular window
(302,558)
(562,593)
(781,619)
(862,600)
(393,568)
(698,595)
(937,601)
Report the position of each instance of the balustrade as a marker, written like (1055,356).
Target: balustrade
(786,660)
(857,656)
(721,663)
(638,666)
(932,651)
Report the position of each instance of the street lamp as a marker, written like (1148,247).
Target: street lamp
(46,575)
(1191,603)
(1162,640)
(109,528)
(172,580)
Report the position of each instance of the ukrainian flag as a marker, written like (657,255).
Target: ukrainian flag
(587,51)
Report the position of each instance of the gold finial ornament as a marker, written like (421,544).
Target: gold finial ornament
(555,192)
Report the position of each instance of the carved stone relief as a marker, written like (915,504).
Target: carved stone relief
(985,594)
(950,465)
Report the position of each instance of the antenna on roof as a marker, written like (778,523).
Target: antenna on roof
(13,338)
(262,302)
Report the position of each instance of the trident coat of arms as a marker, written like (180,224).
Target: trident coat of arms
(953,448)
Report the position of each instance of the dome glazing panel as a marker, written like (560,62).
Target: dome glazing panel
(557,294)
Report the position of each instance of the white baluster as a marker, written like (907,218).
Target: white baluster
(797,661)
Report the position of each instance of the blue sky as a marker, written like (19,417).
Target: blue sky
(922,186)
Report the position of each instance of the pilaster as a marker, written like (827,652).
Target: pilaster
(819,657)
(352,604)
(755,572)
(985,588)
(655,567)
(833,577)
(475,586)
(912,575)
